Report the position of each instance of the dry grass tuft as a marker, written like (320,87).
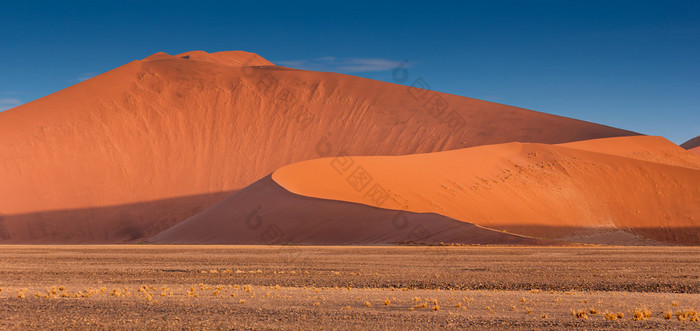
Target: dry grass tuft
(422,305)
(683,315)
(641,314)
(580,314)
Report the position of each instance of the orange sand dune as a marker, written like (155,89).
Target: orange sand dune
(645,148)
(196,124)
(695,150)
(565,192)
(266,213)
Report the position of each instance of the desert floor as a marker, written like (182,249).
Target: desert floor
(299,287)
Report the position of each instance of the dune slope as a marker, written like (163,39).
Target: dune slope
(695,150)
(266,213)
(546,191)
(645,148)
(198,124)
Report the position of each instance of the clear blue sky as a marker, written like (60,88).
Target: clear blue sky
(628,64)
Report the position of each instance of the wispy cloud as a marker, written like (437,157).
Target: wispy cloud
(346,65)
(7,103)
(85,76)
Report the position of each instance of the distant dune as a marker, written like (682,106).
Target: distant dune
(173,135)
(692,143)
(644,148)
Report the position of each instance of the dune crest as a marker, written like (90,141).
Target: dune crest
(229,58)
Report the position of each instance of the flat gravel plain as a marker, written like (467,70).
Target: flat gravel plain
(348,287)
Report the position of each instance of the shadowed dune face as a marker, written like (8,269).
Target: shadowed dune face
(692,143)
(266,213)
(197,123)
(98,225)
(547,191)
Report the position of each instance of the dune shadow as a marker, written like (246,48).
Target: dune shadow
(125,223)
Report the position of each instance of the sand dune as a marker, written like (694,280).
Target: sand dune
(266,213)
(692,143)
(645,148)
(695,150)
(197,124)
(565,192)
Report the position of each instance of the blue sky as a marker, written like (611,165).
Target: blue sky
(628,64)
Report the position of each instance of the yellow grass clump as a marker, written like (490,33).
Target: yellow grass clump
(641,314)
(580,314)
